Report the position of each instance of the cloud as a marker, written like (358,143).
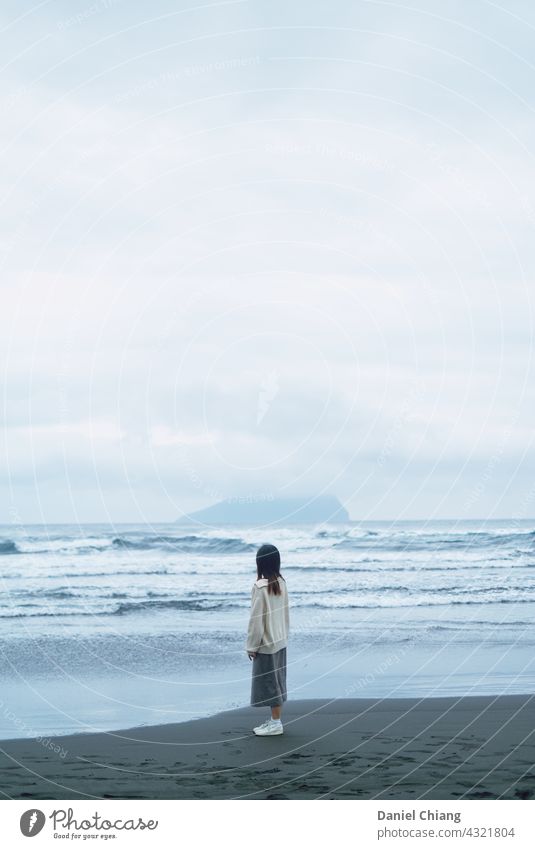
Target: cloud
(201,201)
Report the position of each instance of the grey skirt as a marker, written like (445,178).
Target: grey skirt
(268,688)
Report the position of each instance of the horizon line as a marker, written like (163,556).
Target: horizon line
(348,521)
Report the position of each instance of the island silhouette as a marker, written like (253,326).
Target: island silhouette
(273,511)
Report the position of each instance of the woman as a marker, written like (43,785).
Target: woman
(267,638)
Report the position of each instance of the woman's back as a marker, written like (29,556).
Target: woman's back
(270,617)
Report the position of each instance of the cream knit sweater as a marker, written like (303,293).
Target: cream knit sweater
(269,622)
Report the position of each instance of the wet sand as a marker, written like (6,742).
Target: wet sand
(476,747)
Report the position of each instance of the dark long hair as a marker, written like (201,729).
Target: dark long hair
(268,563)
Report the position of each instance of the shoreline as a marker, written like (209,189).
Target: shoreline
(440,747)
(88,700)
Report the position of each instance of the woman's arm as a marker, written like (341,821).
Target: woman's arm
(255,631)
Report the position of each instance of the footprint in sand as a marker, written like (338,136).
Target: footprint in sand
(295,756)
(522,793)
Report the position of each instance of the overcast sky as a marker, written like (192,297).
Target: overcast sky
(258,249)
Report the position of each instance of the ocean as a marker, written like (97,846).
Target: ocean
(105,627)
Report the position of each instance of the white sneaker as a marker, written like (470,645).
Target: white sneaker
(269,729)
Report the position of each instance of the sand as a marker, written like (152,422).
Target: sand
(435,748)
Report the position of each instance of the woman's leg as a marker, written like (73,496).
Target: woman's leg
(276,712)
